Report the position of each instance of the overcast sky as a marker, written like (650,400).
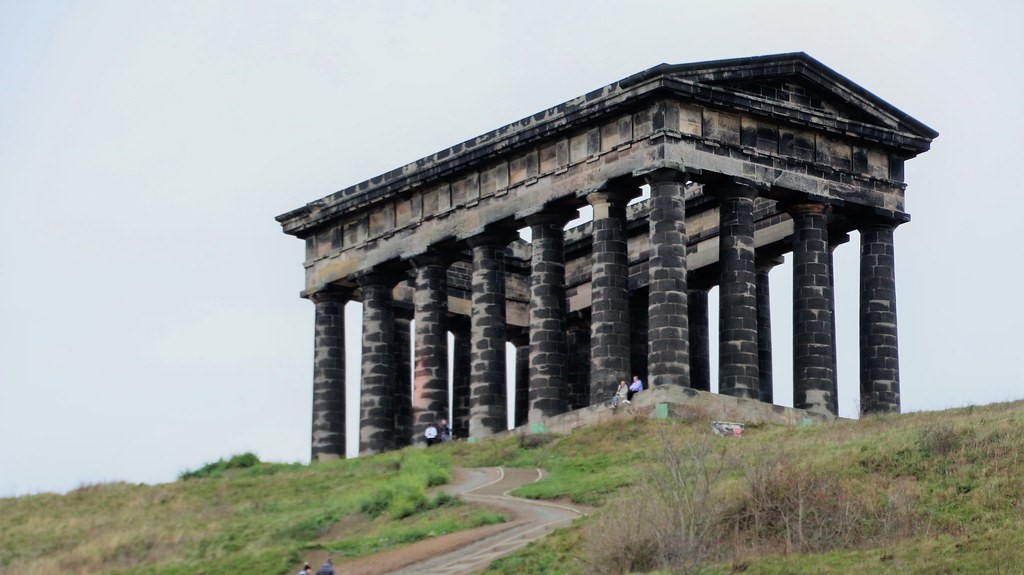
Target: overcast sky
(149,312)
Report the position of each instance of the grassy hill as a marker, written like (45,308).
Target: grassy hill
(935,492)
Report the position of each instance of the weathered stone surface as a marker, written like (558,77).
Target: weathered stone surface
(737,323)
(487,404)
(609,313)
(431,349)
(377,420)
(328,435)
(813,351)
(668,329)
(547,345)
(879,360)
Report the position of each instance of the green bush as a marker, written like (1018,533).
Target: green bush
(406,501)
(406,493)
(219,467)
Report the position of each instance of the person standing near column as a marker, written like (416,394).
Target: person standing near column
(430,434)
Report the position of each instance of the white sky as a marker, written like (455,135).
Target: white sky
(149,312)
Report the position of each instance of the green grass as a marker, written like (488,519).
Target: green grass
(553,555)
(259,516)
(388,534)
(950,485)
(959,473)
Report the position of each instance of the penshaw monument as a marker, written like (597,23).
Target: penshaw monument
(746,160)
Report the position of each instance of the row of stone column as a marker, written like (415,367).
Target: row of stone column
(675,356)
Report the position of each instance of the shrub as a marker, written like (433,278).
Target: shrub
(408,498)
(406,493)
(621,539)
(799,508)
(219,467)
(534,440)
(939,440)
(699,504)
(673,519)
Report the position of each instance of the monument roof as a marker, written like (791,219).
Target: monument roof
(791,88)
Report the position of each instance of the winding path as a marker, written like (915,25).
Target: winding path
(468,552)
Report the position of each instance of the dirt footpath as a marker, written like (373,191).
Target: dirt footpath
(468,552)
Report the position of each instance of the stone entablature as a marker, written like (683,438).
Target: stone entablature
(746,160)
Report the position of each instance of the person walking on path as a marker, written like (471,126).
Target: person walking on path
(326,569)
(305,570)
(636,387)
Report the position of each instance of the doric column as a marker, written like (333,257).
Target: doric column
(377,422)
(521,410)
(668,360)
(700,338)
(328,433)
(488,385)
(737,324)
(547,345)
(609,292)
(764,329)
(879,349)
(403,380)
(461,362)
(430,302)
(813,350)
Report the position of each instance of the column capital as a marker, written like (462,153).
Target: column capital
(763,264)
(491,237)
(559,216)
(376,276)
(733,188)
(878,221)
(330,295)
(667,172)
(433,257)
(611,195)
(723,186)
(837,239)
(807,208)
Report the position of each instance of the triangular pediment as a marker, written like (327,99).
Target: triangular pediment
(798,81)
(795,92)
